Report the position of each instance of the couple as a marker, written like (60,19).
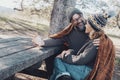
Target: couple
(83,59)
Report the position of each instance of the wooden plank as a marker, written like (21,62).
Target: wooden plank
(11,64)
(14,43)
(10,39)
(14,49)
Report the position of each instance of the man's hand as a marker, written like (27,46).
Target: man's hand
(37,40)
(74,22)
(96,42)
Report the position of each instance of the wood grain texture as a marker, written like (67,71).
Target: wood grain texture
(16,58)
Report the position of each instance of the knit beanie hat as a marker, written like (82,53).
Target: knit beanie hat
(98,21)
(74,11)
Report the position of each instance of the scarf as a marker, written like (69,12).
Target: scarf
(64,32)
(104,63)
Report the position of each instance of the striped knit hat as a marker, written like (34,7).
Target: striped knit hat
(98,21)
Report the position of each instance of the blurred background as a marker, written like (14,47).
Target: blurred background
(20,16)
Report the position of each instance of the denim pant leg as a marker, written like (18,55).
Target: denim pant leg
(59,69)
(78,72)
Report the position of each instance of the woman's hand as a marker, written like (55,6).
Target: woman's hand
(61,54)
(96,42)
(65,52)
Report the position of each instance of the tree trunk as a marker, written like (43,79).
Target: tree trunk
(59,16)
(118,19)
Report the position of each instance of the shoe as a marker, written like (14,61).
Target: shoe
(65,77)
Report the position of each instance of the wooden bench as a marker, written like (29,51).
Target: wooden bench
(19,53)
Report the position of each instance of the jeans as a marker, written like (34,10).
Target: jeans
(77,72)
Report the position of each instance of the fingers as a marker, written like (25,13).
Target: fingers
(35,45)
(74,22)
(67,51)
(97,48)
(63,52)
(38,40)
(59,56)
(96,42)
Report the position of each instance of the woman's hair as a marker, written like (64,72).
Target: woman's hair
(96,34)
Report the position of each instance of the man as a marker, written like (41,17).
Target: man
(73,35)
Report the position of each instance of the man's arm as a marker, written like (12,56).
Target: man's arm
(53,42)
(50,42)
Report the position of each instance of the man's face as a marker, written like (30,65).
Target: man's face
(79,20)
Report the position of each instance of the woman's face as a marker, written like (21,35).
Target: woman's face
(88,28)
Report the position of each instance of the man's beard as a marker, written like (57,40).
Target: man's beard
(81,27)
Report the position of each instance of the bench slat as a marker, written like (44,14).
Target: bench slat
(14,49)
(19,53)
(11,64)
(14,43)
(10,39)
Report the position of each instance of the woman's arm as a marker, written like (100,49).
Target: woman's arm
(87,56)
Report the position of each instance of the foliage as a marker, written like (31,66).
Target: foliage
(41,8)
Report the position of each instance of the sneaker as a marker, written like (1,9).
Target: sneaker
(65,77)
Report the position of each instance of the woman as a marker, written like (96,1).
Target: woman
(101,60)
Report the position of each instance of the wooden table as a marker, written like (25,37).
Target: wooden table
(19,53)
